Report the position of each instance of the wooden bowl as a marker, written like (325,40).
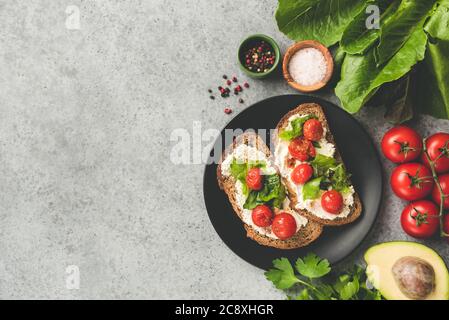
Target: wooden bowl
(307,44)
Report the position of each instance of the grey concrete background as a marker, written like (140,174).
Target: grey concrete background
(85,175)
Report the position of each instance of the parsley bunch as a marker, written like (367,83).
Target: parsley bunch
(311,280)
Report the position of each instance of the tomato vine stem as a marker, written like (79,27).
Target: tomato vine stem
(440,189)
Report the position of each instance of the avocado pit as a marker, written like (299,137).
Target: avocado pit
(415,277)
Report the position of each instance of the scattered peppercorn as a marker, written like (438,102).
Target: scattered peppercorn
(210,91)
(239,88)
(212,97)
(260,57)
(229,82)
(234,78)
(228,110)
(241,100)
(246,85)
(225,76)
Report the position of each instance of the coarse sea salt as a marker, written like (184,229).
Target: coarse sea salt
(307,66)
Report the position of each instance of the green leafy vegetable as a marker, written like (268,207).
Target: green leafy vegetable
(322,20)
(273,192)
(240,170)
(330,173)
(314,281)
(321,164)
(361,78)
(357,38)
(297,126)
(399,29)
(312,266)
(339,178)
(311,190)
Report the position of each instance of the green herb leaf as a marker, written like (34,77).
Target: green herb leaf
(340,179)
(311,190)
(303,295)
(322,20)
(283,276)
(347,286)
(273,192)
(321,164)
(311,266)
(297,126)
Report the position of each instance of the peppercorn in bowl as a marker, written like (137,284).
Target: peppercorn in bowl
(259,56)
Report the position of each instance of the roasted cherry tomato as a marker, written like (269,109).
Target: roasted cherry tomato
(301,149)
(444,183)
(262,216)
(302,173)
(420,219)
(254,179)
(313,130)
(284,225)
(411,181)
(332,201)
(438,147)
(401,144)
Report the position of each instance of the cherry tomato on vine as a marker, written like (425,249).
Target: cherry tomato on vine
(302,173)
(411,181)
(284,226)
(332,201)
(254,179)
(436,195)
(420,219)
(313,130)
(262,216)
(438,150)
(401,144)
(301,149)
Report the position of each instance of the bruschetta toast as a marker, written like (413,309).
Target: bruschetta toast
(248,153)
(327,195)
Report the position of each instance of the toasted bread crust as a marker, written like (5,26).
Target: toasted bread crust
(313,108)
(303,237)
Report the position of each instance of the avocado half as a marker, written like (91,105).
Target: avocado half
(381,258)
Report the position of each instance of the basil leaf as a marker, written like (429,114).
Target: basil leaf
(311,190)
(297,126)
(321,164)
(240,170)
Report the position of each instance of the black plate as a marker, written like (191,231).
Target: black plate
(359,155)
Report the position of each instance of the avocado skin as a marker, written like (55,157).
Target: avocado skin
(382,256)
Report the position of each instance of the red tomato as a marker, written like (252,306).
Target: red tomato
(254,179)
(401,144)
(436,195)
(313,130)
(302,173)
(301,149)
(411,181)
(420,219)
(262,216)
(332,201)
(438,147)
(284,226)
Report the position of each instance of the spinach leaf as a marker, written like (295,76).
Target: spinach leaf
(273,192)
(321,164)
(322,20)
(361,78)
(296,131)
(398,30)
(357,38)
(311,190)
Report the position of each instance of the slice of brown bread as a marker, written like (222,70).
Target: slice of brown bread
(305,235)
(315,109)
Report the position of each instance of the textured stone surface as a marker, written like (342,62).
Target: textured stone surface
(85,121)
